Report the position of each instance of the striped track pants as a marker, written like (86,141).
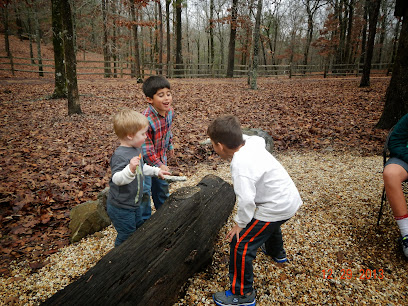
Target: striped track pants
(243,252)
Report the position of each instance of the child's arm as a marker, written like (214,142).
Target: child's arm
(128,174)
(245,191)
(154,171)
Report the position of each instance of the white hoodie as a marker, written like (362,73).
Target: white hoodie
(263,188)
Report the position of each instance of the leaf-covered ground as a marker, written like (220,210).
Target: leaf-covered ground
(50,162)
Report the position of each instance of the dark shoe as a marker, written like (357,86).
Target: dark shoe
(280,258)
(226,298)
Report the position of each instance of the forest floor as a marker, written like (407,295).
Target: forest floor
(325,136)
(324,133)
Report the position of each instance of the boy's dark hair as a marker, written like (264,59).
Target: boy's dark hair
(154,83)
(226,130)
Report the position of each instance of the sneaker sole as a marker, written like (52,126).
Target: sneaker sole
(280,260)
(244,304)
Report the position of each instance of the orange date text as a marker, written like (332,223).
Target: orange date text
(348,274)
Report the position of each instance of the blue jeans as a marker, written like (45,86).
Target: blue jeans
(125,221)
(158,189)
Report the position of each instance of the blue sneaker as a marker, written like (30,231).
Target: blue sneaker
(226,298)
(404,244)
(280,258)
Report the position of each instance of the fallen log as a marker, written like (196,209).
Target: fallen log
(152,266)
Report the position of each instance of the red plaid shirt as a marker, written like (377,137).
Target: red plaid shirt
(159,137)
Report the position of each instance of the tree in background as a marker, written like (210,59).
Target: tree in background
(233,34)
(179,59)
(396,98)
(60,89)
(168,60)
(289,32)
(106,53)
(74,106)
(311,7)
(4,4)
(254,71)
(373,11)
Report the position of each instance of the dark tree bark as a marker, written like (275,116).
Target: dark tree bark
(373,11)
(168,44)
(396,98)
(233,34)
(134,14)
(394,47)
(179,58)
(19,23)
(160,36)
(38,41)
(364,34)
(151,266)
(254,70)
(6,36)
(106,55)
(114,51)
(70,60)
(311,8)
(212,48)
(60,90)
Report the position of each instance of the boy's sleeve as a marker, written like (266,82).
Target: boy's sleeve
(148,149)
(121,174)
(150,171)
(149,153)
(123,177)
(245,191)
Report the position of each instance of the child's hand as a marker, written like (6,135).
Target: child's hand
(234,232)
(134,162)
(162,173)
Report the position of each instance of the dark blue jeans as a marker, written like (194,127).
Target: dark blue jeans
(158,189)
(243,252)
(125,221)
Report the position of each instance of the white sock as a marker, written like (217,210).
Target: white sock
(403,224)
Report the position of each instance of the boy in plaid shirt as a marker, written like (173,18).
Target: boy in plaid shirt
(159,140)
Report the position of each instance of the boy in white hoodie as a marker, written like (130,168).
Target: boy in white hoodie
(267,197)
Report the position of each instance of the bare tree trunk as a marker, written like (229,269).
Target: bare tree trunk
(364,34)
(254,74)
(19,22)
(70,60)
(168,44)
(212,49)
(134,13)
(114,51)
(394,48)
(106,56)
(38,41)
(160,37)
(6,37)
(383,28)
(179,58)
(30,35)
(374,8)
(233,34)
(311,7)
(349,32)
(60,90)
